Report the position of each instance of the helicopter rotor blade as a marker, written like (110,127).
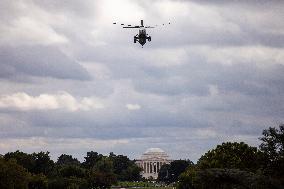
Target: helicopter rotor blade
(131,27)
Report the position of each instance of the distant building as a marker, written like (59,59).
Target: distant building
(151,162)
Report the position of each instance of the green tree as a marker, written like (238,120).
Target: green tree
(91,159)
(104,165)
(100,180)
(12,175)
(163,174)
(38,182)
(67,160)
(185,182)
(43,163)
(23,159)
(216,178)
(232,155)
(68,183)
(72,171)
(273,147)
(101,175)
(170,173)
(120,162)
(124,168)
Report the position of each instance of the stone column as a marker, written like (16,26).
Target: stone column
(147,167)
(156,167)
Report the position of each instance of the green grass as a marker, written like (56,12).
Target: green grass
(158,188)
(141,185)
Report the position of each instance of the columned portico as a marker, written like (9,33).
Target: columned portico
(152,161)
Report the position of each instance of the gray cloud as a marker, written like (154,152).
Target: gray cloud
(40,61)
(215,74)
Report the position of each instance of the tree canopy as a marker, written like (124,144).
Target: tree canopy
(67,160)
(13,175)
(232,155)
(38,171)
(273,147)
(170,173)
(238,165)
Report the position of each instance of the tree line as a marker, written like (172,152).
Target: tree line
(233,165)
(19,170)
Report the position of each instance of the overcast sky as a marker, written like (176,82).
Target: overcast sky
(73,82)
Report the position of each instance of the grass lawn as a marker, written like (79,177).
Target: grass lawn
(142,185)
(158,188)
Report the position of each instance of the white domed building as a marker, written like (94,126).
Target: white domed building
(151,162)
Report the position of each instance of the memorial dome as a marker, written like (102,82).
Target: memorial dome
(155,153)
(150,150)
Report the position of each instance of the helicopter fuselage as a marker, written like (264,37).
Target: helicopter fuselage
(142,37)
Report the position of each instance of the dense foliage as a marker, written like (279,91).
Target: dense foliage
(273,147)
(222,178)
(170,173)
(233,156)
(240,166)
(19,170)
(13,175)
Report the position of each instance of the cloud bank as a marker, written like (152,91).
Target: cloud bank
(72,82)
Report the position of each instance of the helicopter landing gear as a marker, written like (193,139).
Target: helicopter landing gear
(135,39)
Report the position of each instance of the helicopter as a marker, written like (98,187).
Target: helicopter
(142,36)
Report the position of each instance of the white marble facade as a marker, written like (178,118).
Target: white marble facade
(151,162)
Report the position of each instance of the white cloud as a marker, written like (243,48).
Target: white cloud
(30,31)
(213,90)
(206,133)
(97,70)
(168,57)
(133,106)
(31,25)
(120,10)
(247,54)
(62,100)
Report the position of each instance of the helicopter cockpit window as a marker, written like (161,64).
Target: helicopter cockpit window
(142,31)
